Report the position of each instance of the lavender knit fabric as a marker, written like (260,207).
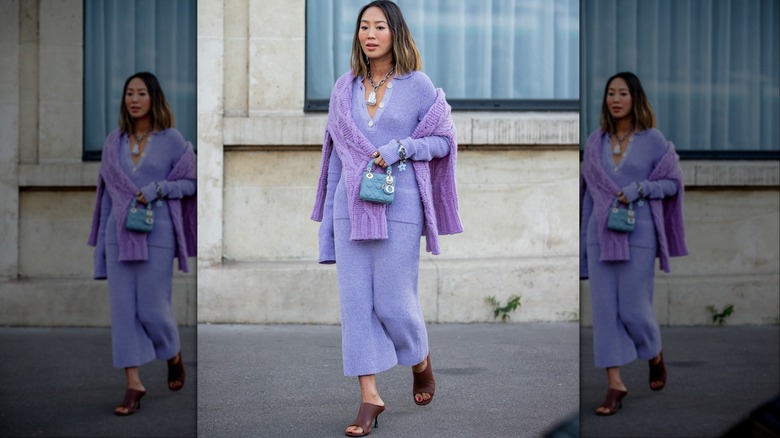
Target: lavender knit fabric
(436,178)
(620,265)
(377,247)
(114,180)
(598,191)
(139,266)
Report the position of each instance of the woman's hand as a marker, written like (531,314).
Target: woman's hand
(379,160)
(140,197)
(622,198)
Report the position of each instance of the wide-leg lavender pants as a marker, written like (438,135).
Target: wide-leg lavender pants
(624,323)
(143,325)
(381,320)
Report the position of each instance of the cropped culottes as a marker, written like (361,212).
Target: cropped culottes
(381,318)
(624,323)
(143,325)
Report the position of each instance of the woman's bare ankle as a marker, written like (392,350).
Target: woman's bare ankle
(420,367)
(373,399)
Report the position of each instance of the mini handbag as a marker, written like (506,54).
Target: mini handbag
(621,219)
(376,187)
(139,219)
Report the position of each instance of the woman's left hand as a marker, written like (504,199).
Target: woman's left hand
(140,197)
(622,198)
(379,160)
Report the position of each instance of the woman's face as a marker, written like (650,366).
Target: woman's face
(374,35)
(137,99)
(619,99)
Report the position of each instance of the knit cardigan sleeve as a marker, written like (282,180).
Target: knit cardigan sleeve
(98,237)
(326,236)
(586,210)
(97,233)
(327,148)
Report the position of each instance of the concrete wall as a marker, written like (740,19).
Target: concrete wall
(732,213)
(517,177)
(269,271)
(46,190)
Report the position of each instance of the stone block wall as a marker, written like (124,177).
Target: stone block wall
(517,176)
(734,247)
(47,193)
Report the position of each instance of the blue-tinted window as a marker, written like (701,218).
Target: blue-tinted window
(483,53)
(123,37)
(711,69)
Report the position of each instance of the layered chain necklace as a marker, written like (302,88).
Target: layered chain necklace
(372,95)
(616,148)
(138,140)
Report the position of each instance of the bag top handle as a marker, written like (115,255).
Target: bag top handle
(135,202)
(370,167)
(615,204)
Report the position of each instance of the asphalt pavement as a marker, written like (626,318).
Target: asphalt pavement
(496,380)
(716,377)
(492,380)
(60,382)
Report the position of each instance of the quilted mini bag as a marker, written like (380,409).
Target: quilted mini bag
(621,219)
(376,187)
(140,219)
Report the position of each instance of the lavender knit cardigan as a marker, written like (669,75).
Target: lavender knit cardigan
(435,179)
(666,212)
(132,245)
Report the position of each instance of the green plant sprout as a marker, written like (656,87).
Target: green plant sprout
(720,316)
(498,309)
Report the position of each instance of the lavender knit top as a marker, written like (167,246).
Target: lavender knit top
(650,162)
(414,113)
(171,163)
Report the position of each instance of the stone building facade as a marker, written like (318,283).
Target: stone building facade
(258,158)
(47,191)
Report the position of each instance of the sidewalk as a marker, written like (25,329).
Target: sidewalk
(492,380)
(717,376)
(498,380)
(57,382)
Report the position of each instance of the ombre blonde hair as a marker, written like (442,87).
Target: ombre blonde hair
(160,114)
(406,57)
(641,110)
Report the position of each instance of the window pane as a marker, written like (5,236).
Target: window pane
(128,36)
(490,50)
(711,68)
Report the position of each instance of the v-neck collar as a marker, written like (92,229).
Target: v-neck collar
(607,152)
(128,157)
(380,105)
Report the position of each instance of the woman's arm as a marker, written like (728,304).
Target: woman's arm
(650,189)
(175,189)
(418,149)
(169,189)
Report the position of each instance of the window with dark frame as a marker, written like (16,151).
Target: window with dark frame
(710,70)
(499,55)
(123,37)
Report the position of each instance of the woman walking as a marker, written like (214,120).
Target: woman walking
(146,168)
(628,163)
(385,112)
